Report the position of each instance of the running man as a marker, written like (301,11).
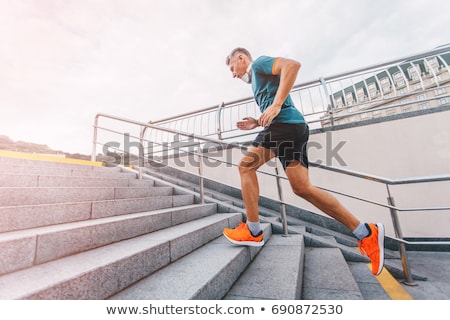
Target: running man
(285,135)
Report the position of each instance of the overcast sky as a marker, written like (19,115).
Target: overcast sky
(63,61)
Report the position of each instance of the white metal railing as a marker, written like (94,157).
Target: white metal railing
(327,100)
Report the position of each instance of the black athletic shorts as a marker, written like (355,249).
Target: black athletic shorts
(288,141)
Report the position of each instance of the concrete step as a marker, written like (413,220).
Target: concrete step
(79,170)
(49,162)
(34,180)
(102,272)
(369,286)
(275,274)
(45,195)
(207,273)
(315,235)
(327,276)
(23,249)
(13,218)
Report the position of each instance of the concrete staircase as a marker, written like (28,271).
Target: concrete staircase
(83,231)
(331,265)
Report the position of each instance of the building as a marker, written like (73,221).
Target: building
(405,86)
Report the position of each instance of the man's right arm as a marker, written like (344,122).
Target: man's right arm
(288,70)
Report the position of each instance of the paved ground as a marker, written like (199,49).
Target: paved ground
(435,266)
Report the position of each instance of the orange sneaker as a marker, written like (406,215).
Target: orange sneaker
(373,247)
(241,235)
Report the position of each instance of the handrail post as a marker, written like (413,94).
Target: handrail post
(200,174)
(330,105)
(94,141)
(141,156)
(218,116)
(402,248)
(141,142)
(282,205)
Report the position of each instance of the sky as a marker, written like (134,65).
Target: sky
(62,62)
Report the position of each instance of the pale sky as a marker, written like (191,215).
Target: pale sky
(62,62)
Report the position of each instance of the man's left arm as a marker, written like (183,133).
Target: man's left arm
(288,70)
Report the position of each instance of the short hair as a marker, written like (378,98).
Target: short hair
(237,51)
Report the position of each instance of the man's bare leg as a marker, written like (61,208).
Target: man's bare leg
(298,176)
(250,233)
(371,236)
(249,164)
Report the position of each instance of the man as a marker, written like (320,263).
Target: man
(285,135)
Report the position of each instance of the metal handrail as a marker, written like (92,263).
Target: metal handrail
(348,172)
(418,56)
(391,205)
(435,178)
(319,89)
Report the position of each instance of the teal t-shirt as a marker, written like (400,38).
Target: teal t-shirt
(265,85)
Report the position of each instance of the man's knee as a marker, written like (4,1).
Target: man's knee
(249,163)
(302,190)
(246,167)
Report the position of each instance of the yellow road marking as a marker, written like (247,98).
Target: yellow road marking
(391,285)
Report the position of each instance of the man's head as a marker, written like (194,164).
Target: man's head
(239,61)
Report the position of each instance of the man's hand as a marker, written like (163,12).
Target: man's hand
(247,123)
(268,115)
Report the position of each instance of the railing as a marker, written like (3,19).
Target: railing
(364,93)
(199,146)
(393,209)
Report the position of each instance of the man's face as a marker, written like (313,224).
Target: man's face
(238,65)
